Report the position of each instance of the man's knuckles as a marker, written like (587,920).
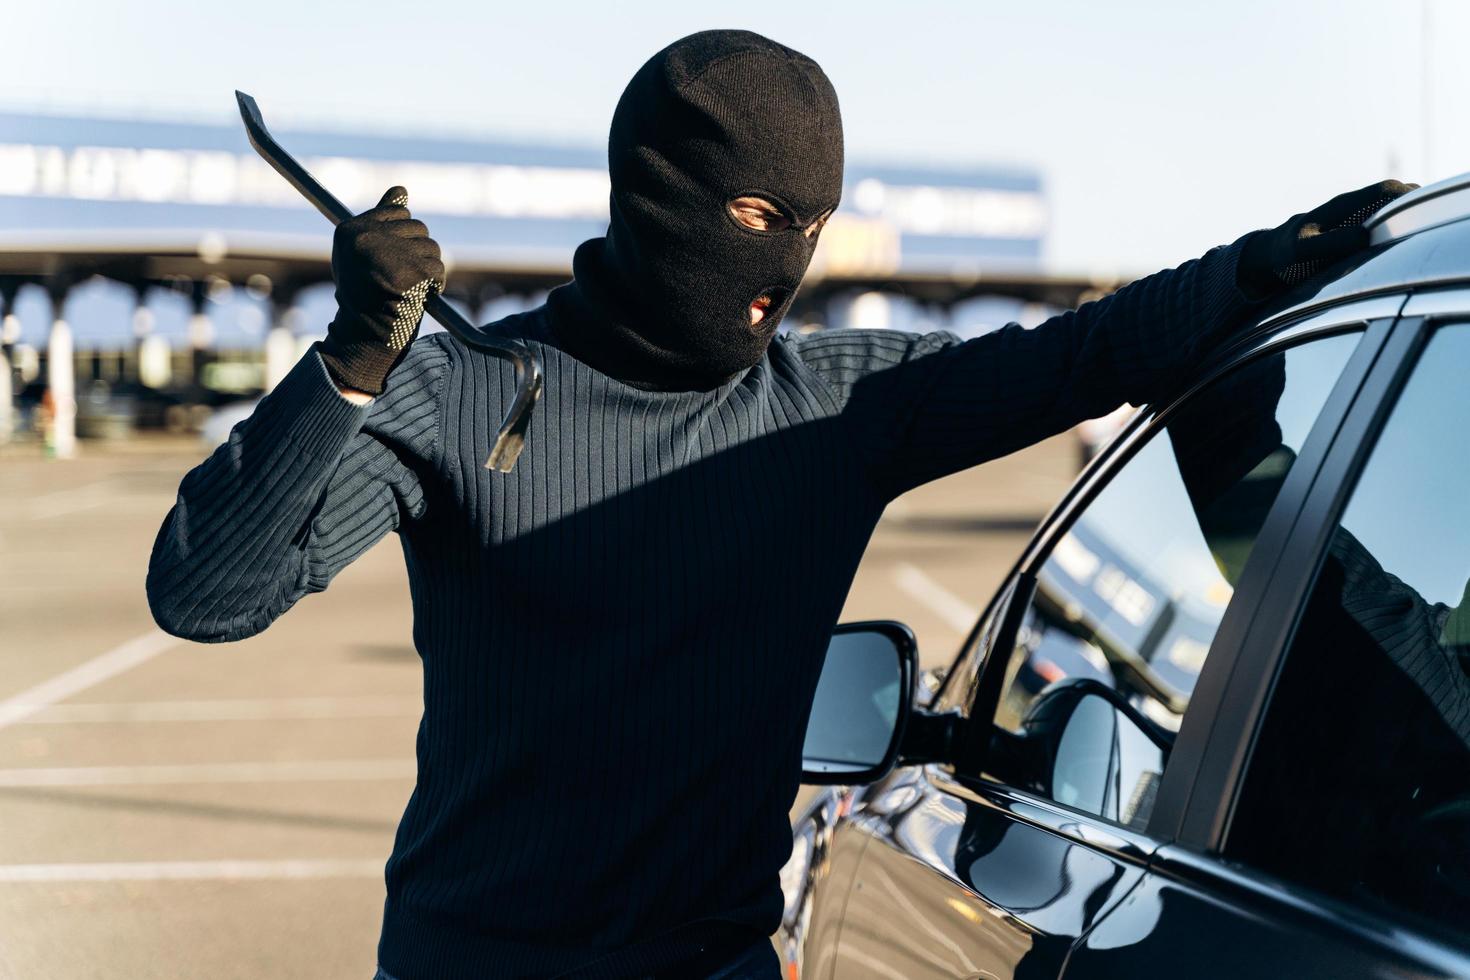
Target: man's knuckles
(382,254)
(406,271)
(1392,188)
(407,228)
(396,246)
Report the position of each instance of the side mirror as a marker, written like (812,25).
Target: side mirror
(862,704)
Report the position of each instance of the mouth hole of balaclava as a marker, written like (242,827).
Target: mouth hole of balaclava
(771,303)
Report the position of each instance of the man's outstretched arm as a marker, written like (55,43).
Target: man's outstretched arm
(932,405)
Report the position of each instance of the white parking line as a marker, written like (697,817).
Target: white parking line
(192,774)
(226,870)
(79,678)
(957,614)
(226,709)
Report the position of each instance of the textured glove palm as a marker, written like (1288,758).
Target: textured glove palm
(386,266)
(1308,243)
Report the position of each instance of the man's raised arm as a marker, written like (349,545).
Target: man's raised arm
(328,462)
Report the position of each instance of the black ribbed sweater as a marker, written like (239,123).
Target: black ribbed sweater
(622,637)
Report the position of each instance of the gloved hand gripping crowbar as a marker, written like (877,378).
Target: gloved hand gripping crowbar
(512,434)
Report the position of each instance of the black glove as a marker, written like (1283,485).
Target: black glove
(1308,243)
(385,265)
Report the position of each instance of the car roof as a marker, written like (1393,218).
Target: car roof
(1445,201)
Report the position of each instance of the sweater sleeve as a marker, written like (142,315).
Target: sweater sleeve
(300,489)
(922,406)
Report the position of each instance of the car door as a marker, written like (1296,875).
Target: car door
(997,869)
(1328,831)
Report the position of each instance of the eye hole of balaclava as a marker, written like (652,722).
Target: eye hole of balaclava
(753,212)
(726,158)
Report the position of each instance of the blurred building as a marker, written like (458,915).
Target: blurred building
(166,262)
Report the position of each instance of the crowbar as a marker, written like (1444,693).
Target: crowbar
(512,435)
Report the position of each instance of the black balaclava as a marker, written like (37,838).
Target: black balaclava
(664,300)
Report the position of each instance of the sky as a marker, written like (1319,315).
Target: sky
(1161,127)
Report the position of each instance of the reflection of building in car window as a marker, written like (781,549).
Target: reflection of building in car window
(1126,597)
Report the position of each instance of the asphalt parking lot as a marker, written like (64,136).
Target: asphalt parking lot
(181,810)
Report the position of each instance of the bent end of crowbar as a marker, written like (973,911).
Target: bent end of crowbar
(512,437)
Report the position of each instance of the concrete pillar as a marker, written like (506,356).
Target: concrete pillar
(9,336)
(304,344)
(142,329)
(7,397)
(280,344)
(61,373)
(61,384)
(201,330)
(155,362)
(870,310)
(201,335)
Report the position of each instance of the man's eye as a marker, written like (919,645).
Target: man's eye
(754,219)
(758,217)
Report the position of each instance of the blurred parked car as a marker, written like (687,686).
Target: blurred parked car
(102,413)
(1216,722)
(216,428)
(189,407)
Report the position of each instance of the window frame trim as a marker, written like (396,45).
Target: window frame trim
(1371,319)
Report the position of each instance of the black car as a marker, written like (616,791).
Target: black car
(1216,723)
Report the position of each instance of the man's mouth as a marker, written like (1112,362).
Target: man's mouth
(759,307)
(770,299)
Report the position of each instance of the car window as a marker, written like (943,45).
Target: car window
(1131,596)
(1359,784)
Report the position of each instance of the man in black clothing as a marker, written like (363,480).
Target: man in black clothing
(615,685)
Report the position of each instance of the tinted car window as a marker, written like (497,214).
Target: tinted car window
(1133,593)
(1359,784)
